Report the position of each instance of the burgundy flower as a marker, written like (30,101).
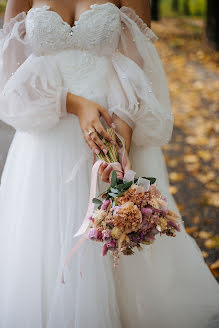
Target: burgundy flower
(149,237)
(111,244)
(173,225)
(146,211)
(104,250)
(105,205)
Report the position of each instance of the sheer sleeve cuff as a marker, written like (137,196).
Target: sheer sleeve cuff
(63,94)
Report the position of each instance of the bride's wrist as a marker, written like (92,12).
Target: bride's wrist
(74,103)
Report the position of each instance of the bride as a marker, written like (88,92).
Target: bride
(68,70)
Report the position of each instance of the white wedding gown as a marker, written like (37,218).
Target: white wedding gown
(108,56)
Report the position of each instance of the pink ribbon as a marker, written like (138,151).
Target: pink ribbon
(85,224)
(90,209)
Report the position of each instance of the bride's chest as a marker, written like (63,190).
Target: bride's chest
(98,29)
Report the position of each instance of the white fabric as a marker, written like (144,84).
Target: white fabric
(166,285)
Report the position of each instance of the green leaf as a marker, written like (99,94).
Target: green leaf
(97,201)
(113,179)
(121,194)
(113,195)
(107,196)
(124,186)
(119,181)
(152,180)
(114,190)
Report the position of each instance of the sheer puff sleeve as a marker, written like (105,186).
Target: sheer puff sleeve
(139,92)
(32,92)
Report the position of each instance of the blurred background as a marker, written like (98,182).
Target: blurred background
(188,44)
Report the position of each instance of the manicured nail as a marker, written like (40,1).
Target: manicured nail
(113,142)
(97,151)
(113,125)
(105,151)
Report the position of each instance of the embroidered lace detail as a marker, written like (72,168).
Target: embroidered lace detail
(97,30)
(150,35)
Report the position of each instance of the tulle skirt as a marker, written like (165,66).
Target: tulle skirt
(166,285)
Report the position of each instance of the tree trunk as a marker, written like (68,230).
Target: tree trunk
(212,22)
(155,10)
(175,5)
(186,7)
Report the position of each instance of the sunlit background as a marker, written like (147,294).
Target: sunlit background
(188,32)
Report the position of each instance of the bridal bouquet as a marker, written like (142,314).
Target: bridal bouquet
(130,213)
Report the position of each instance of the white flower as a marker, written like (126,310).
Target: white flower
(99,215)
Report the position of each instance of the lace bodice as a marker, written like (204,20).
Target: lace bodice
(97,30)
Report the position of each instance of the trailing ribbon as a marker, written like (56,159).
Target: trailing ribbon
(90,209)
(85,224)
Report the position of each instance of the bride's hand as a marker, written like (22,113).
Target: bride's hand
(89,114)
(106,169)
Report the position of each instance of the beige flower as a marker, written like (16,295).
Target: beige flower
(128,218)
(163,223)
(157,203)
(134,194)
(98,216)
(172,216)
(116,233)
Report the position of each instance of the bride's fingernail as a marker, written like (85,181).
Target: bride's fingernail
(113,125)
(113,142)
(97,151)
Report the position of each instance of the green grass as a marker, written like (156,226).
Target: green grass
(197,8)
(2,6)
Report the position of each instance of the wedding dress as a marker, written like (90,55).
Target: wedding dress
(108,56)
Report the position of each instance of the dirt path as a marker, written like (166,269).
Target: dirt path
(192,155)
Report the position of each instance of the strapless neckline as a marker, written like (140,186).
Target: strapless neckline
(92,7)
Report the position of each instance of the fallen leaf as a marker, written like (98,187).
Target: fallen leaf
(191,230)
(215,268)
(190,158)
(175,176)
(205,155)
(205,234)
(204,254)
(173,189)
(196,220)
(212,243)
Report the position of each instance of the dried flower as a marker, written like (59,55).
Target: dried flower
(173,225)
(104,250)
(116,233)
(94,233)
(138,198)
(106,234)
(146,211)
(99,215)
(111,244)
(105,205)
(128,218)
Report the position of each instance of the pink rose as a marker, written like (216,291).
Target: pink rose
(93,233)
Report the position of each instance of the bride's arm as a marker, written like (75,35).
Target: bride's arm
(141,8)
(76,105)
(15,7)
